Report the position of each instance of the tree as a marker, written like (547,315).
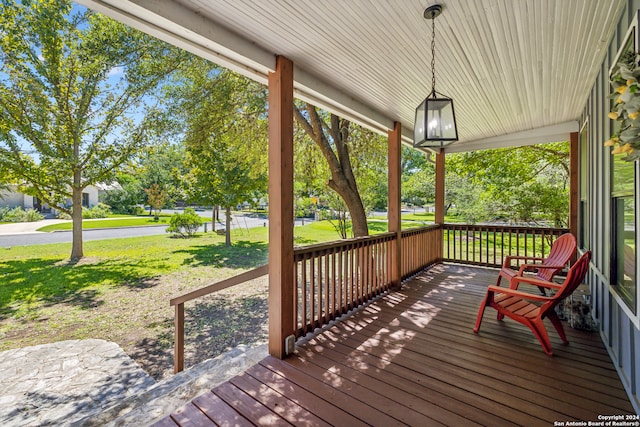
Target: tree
(164,165)
(332,135)
(418,177)
(157,197)
(64,124)
(524,184)
(225,136)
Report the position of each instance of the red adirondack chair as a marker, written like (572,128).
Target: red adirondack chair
(561,252)
(530,309)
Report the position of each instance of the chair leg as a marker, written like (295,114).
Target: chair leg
(557,323)
(538,329)
(476,329)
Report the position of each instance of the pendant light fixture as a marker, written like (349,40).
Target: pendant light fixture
(435,122)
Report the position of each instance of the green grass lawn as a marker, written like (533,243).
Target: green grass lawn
(424,217)
(121,290)
(124,221)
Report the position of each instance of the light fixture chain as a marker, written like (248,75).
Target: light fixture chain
(433,55)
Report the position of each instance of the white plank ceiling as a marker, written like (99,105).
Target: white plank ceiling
(514,68)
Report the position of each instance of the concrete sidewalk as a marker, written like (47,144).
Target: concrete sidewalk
(28,227)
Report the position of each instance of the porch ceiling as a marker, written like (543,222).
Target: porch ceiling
(523,68)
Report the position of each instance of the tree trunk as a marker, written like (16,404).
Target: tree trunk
(342,180)
(76,216)
(227,232)
(354,204)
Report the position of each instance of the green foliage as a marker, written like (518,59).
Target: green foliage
(626,111)
(184,224)
(526,185)
(100,210)
(58,100)
(337,216)
(165,165)
(19,215)
(362,153)
(418,178)
(125,200)
(224,119)
(156,197)
(306,207)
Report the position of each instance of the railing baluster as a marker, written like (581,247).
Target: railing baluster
(312,291)
(327,289)
(305,292)
(491,244)
(178,358)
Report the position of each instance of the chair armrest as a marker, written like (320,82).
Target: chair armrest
(517,293)
(525,267)
(516,280)
(507,260)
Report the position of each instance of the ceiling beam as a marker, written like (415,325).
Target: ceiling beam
(554,133)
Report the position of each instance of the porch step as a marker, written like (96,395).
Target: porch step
(164,397)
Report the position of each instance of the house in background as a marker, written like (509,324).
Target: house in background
(16,199)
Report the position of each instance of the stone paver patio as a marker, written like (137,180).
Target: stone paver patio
(59,383)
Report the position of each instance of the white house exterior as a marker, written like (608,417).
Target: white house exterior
(15,199)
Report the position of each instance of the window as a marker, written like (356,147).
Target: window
(583,207)
(623,205)
(624,249)
(623,216)
(85,200)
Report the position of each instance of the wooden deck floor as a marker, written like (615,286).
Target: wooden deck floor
(411,358)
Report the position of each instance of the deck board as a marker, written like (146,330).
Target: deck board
(410,357)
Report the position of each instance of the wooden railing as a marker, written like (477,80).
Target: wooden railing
(488,245)
(178,357)
(421,247)
(336,277)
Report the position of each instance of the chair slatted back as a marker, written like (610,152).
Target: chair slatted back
(576,275)
(561,252)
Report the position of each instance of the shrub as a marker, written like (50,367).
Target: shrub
(124,201)
(98,211)
(184,224)
(63,215)
(19,215)
(32,215)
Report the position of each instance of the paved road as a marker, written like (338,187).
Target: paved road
(38,238)
(27,238)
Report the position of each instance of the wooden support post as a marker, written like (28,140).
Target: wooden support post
(178,345)
(394,196)
(281,280)
(439,217)
(574,174)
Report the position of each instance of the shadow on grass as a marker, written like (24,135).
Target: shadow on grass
(377,226)
(49,282)
(242,254)
(212,326)
(301,241)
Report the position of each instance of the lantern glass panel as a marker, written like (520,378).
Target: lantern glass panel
(419,128)
(440,120)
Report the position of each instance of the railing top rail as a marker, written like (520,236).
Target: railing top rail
(214,287)
(417,230)
(343,243)
(504,227)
